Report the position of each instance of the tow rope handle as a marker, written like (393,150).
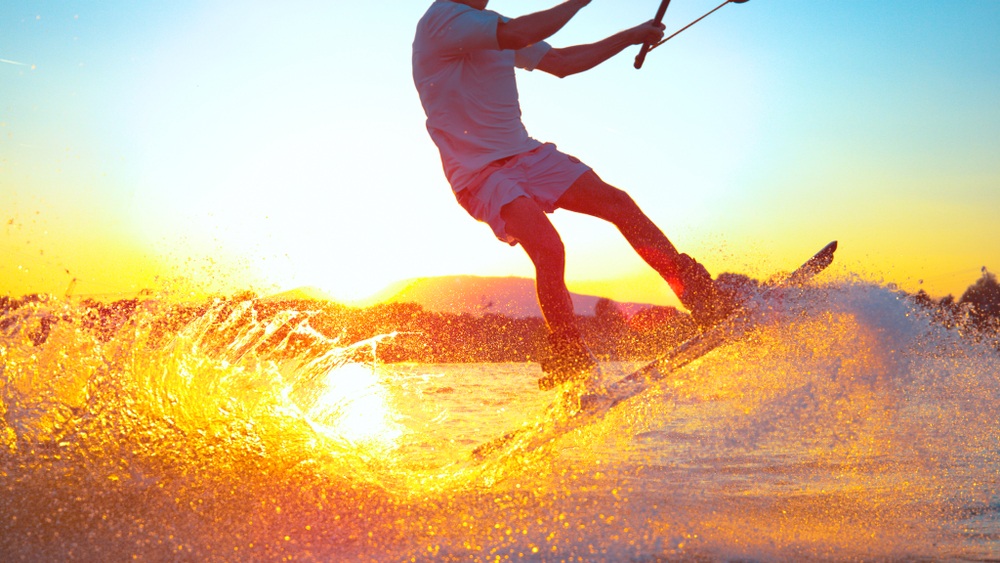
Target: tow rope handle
(646,47)
(660,12)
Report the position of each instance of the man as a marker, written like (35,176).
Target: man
(463,66)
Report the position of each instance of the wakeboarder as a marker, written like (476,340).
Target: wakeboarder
(464,58)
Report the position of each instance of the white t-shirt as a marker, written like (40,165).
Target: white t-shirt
(468,89)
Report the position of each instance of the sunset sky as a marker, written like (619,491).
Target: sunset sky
(217,146)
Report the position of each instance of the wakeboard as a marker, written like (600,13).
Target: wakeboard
(593,407)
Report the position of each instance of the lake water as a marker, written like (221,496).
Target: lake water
(858,430)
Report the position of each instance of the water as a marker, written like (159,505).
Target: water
(860,430)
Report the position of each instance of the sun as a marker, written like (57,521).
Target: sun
(354,407)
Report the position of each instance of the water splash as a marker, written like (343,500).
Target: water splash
(859,429)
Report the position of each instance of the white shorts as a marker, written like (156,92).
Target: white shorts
(543,174)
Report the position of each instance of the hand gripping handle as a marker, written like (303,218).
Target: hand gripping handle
(660,12)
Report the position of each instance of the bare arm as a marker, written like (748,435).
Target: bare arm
(572,60)
(520,32)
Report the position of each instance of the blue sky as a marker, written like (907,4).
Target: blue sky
(281,145)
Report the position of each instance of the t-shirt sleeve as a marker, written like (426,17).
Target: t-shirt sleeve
(457,27)
(529,57)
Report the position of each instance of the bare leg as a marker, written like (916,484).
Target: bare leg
(525,221)
(568,357)
(592,196)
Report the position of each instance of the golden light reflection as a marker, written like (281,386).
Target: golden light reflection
(819,437)
(354,407)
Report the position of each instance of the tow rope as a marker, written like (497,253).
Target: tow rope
(646,48)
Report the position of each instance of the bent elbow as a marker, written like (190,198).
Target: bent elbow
(555,64)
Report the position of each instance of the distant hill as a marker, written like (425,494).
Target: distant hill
(304,293)
(508,296)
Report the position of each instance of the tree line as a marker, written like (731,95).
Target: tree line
(977,310)
(425,336)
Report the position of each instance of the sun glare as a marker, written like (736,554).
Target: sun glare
(354,407)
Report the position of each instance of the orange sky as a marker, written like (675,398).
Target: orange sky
(174,148)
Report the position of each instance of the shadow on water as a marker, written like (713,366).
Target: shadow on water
(240,430)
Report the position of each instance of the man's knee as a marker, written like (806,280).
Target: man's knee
(594,196)
(618,205)
(531,228)
(619,199)
(547,252)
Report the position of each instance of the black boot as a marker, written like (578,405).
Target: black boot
(701,296)
(568,359)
